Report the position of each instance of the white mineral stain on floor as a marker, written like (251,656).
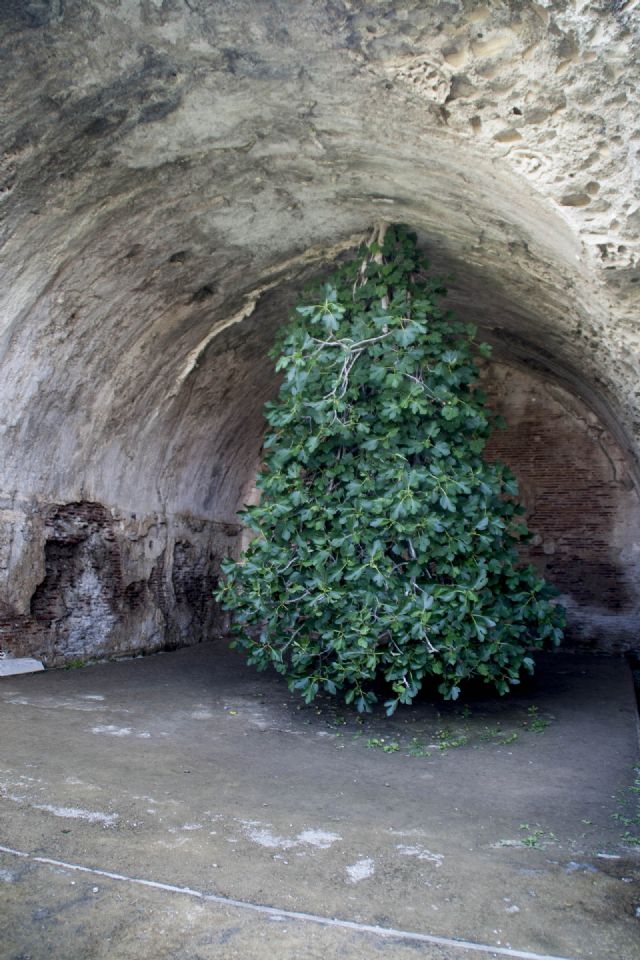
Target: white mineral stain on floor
(73,813)
(407,833)
(112,730)
(58,703)
(421,853)
(15,780)
(263,835)
(361,870)
(318,838)
(27,785)
(77,813)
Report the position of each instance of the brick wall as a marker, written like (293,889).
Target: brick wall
(581,504)
(116,584)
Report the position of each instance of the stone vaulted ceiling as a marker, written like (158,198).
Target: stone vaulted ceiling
(174,171)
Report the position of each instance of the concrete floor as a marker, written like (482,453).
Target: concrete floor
(182,806)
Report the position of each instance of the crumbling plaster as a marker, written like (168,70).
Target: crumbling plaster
(174,171)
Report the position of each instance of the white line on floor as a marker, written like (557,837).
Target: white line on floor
(390,932)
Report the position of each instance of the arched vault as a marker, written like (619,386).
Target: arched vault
(174,173)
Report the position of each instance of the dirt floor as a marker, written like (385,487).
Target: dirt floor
(182,806)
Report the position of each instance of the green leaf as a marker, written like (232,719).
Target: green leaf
(385,547)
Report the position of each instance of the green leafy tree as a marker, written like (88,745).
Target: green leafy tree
(386,547)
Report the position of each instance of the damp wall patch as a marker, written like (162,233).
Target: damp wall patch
(108,584)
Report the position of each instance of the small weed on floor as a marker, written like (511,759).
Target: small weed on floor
(628,814)
(429,730)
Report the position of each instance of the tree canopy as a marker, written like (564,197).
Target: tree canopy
(386,546)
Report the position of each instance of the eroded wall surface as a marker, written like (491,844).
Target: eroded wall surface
(173,173)
(582,505)
(85,582)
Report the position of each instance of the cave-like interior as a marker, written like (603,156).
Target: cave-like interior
(175,173)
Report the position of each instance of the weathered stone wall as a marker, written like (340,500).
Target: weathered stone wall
(81,581)
(581,504)
(173,173)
